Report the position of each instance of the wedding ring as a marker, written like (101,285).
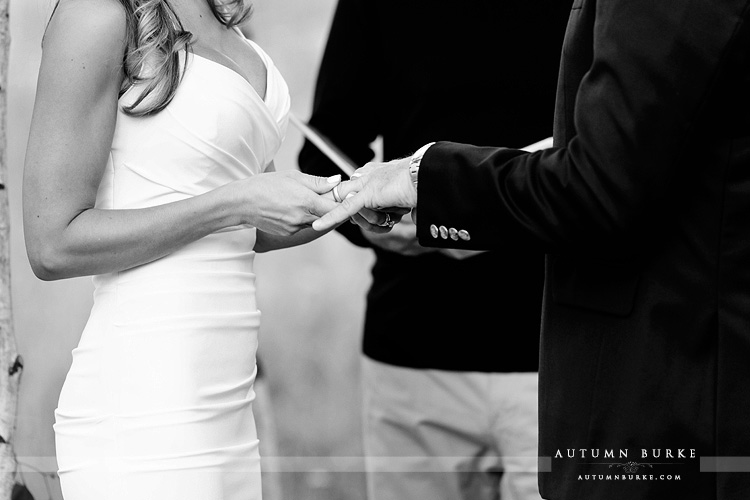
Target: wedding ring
(388,222)
(336,194)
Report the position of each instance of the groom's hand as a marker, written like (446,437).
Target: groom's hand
(376,186)
(402,239)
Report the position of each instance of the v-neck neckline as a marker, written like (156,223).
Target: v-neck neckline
(257,51)
(264,99)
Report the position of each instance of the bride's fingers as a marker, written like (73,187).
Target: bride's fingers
(344,210)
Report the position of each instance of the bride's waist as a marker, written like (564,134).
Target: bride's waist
(219,259)
(189,301)
(178,285)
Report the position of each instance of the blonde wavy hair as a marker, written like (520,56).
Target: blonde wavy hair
(155,37)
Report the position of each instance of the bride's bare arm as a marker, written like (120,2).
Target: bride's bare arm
(69,144)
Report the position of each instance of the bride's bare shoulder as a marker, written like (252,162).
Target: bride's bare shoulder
(78,24)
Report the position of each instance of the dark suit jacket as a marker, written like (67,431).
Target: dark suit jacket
(409,71)
(644,209)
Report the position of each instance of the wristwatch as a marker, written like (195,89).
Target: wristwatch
(416,159)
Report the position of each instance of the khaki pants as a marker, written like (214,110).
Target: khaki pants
(432,434)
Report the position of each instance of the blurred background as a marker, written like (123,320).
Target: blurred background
(311,297)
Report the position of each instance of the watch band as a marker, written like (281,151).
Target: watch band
(415,161)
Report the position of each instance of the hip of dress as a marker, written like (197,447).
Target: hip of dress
(162,378)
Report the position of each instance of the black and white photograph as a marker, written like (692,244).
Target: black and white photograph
(358,250)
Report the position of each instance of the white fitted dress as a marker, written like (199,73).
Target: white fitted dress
(158,400)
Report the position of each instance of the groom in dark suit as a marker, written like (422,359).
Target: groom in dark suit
(643,208)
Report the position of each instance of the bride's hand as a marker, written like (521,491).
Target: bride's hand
(283,203)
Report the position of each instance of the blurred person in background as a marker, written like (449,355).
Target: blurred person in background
(451,338)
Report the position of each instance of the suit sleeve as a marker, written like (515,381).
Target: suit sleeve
(345,97)
(654,67)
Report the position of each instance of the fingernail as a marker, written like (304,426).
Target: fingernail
(349,195)
(334,179)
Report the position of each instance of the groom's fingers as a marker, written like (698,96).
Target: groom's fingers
(344,210)
(371,216)
(351,186)
(368,226)
(397,210)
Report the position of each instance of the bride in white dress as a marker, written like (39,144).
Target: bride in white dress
(149,166)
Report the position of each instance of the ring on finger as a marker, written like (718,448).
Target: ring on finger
(388,222)
(336,195)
